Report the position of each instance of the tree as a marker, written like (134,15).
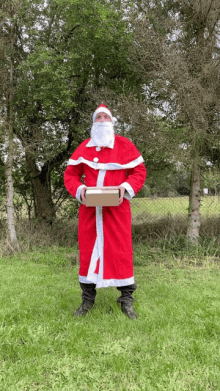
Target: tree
(176,49)
(211,180)
(7,76)
(66,51)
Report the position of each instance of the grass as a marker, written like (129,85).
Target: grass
(173,345)
(162,237)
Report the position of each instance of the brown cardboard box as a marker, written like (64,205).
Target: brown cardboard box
(102,196)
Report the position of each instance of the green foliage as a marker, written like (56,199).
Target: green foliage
(84,48)
(65,52)
(211,180)
(3,178)
(176,46)
(70,209)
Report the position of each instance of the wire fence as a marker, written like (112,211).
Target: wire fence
(149,209)
(143,209)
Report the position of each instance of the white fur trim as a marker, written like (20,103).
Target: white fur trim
(102,110)
(98,250)
(85,280)
(101,177)
(78,193)
(130,192)
(93,261)
(106,166)
(106,283)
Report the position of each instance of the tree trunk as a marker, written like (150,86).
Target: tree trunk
(10,190)
(10,195)
(44,207)
(195,186)
(194,204)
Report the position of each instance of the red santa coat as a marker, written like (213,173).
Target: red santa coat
(104,233)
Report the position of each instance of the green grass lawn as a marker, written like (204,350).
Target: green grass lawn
(173,345)
(210,206)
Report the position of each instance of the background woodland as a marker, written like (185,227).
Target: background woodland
(155,63)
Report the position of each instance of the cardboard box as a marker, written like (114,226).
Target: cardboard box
(102,196)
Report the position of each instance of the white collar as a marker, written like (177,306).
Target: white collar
(91,143)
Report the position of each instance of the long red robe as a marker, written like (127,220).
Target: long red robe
(104,233)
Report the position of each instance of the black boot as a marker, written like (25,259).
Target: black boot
(88,299)
(84,308)
(127,300)
(127,309)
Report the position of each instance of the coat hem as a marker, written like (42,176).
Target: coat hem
(106,283)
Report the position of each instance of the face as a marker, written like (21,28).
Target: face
(102,117)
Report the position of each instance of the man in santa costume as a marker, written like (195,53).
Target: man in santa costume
(104,233)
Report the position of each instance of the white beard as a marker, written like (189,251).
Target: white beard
(102,133)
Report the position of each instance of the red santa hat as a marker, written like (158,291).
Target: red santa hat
(102,109)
